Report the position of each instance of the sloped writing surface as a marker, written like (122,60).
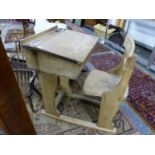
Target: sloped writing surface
(69,44)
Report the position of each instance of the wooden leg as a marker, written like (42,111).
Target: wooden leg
(108,109)
(49,84)
(65,85)
(79,122)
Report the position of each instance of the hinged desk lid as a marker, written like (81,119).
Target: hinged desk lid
(67,44)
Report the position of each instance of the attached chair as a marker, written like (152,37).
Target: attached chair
(111,88)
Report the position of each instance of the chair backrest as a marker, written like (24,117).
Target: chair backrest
(128,63)
(127,72)
(120,89)
(129,45)
(126,75)
(22,73)
(128,53)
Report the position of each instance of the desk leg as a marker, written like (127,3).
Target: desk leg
(65,85)
(49,84)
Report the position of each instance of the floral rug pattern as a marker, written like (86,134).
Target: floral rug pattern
(80,110)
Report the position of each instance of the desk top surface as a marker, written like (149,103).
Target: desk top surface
(68,44)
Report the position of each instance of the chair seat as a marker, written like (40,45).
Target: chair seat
(98,82)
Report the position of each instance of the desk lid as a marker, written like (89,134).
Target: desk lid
(67,44)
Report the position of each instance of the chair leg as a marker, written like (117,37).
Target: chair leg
(108,109)
(32,85)
(32,88)
(31,91)
(37,91)
(31,104)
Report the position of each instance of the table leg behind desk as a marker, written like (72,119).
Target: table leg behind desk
(65,85)
(49,85)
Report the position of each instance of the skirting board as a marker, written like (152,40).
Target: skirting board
(79,122)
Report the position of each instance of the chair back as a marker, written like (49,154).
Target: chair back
(128,53)
(22,73)
(129,45)
(119,90)
(127,66)
(127,72)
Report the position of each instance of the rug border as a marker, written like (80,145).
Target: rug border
(144,121)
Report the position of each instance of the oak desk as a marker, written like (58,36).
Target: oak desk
(57,54)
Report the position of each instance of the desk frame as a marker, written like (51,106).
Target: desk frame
(51,77)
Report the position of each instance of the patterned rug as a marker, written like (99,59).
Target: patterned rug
(141,96)
(77,109)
